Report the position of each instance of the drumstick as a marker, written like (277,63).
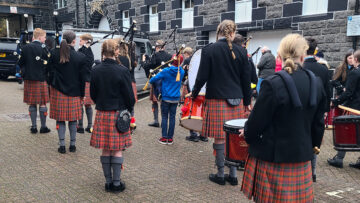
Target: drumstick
(349,109)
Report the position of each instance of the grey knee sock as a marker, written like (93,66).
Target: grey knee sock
(89,114)
(116,163)
(33,115)
(61,132)
(233,172)
(155,107)
(80,122)
(72,129)
(220,158)
(43,114)
(106,165)
(313,164)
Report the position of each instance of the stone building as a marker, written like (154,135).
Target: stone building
(267,21)
(12,19)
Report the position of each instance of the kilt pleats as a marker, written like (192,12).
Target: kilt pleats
(63,107)
(277,182)
(105,135)
(35,92)
(216,113)
(88,100)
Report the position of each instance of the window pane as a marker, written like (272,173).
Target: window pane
(3,27)
(189,3)
(243,11)
(311,7)
(126,14)
(154,10)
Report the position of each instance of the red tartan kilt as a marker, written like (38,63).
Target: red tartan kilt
(277,182)
(88,100)
(105,135)
(216,113)
(64,108)
(152,96)
(134,90)
(35,92)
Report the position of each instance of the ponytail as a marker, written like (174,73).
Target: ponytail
(290,66)
(64,52)
(226,28)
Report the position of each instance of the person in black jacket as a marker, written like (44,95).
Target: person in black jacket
(320,71)
(33,70)
(342,71)
(266,66)
(350,98)
(111,90)
(85,41)
(224,67)
(67,70)
(160,56)
(284,129)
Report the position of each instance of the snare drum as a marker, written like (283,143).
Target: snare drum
(336,111)
(192,113)
(236,150)
(346,134)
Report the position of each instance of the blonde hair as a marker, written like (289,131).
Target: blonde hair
(225,28)
(86,37)
(38,32)
(188,50)
(109,48)
(291,48)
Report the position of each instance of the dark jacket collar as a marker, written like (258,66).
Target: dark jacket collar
(312,59)
(110,61)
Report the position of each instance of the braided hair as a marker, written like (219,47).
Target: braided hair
(226,28)
(291,48)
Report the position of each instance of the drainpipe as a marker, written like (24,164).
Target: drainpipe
(356,13)
(77,13)
(85,13)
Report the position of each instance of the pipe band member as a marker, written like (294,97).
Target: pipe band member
(33,71)
(159,56)
(225,69)
(85,41)
(67,86)
(106,78)
(283,130)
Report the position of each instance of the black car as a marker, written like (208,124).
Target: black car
(10,49)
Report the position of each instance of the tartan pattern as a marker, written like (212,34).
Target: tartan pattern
(88,100)
(135,91)
(216,113)
(277,182)
(36,92)
(184,92)
(105,135)
(64,108)
(152,96)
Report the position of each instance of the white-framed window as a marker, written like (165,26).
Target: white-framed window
(154,18)
(187,13)
(311,7)
(126,20)
(243,11)
(61,3)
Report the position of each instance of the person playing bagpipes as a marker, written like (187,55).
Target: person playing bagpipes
(85,41)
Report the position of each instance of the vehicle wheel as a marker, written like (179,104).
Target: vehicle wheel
(3,77)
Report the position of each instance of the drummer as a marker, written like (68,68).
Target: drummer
(284,130)
(349,98)
(224,67)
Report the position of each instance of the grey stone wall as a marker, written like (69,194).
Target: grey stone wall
(41,10)
(328,29)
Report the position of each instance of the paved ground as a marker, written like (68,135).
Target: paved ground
(31,169)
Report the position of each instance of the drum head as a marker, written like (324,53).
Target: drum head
(236,123)
(193,70)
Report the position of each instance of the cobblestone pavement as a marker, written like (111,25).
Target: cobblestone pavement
(31,169)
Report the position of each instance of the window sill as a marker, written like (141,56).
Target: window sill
(183,30)
(154,33)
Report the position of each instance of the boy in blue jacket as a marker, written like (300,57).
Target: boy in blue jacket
(171,78)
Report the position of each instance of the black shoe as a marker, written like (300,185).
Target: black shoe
(355,165)
(314,178)
(219,180)
(108,187)
(120,188)
(154,124)
(89,130)
(33,130)
(62,150)
(72,148)
(335,162)
(231,180)
(204,139)
(44,130)
(80,130)
(192,138)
